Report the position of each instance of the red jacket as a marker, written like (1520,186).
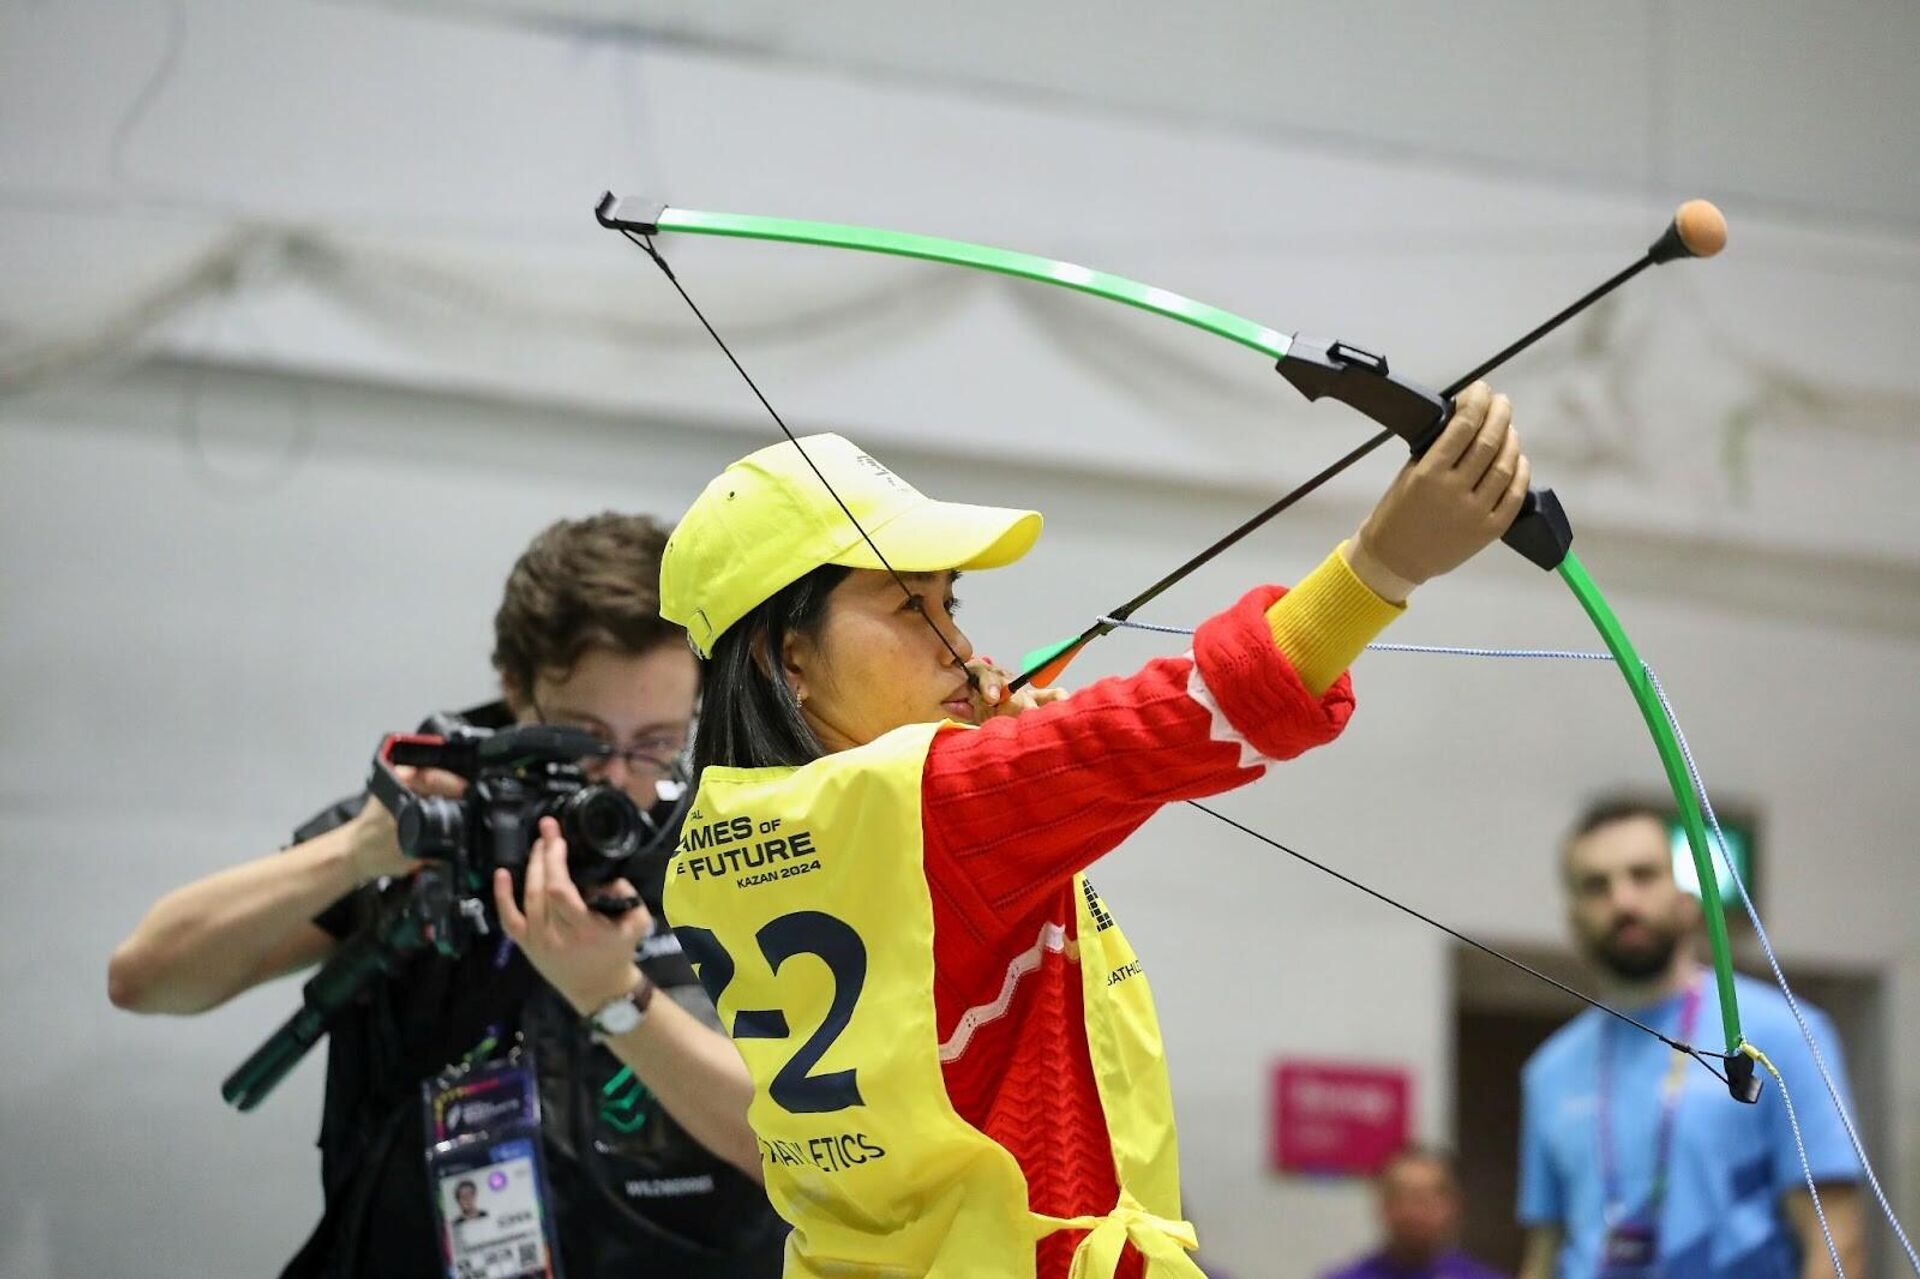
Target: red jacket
(1013,810)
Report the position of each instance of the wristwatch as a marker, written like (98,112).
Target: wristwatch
(618,1016)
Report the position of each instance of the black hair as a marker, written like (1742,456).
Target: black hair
(1606,812)
(749,716)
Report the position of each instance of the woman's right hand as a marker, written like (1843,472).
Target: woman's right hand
(990,697)
(1443,508)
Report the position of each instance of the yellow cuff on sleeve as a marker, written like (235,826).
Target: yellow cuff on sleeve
(1326,621)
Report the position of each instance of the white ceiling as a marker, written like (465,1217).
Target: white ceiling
(1804,109)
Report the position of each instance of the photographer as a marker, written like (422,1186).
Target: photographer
(649,1162)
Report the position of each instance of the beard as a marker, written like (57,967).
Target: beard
(1636,961)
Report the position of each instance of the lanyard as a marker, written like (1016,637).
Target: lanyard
(1670,1092)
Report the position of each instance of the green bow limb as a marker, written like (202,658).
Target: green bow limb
(643,221)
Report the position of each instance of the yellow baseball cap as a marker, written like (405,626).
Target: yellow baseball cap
(767,521)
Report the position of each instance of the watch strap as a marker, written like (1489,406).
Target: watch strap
(640,998)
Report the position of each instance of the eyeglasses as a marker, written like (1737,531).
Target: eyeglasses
(659,754)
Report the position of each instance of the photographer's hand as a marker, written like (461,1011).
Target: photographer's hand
(376,840)
(584,955)
(693,1069)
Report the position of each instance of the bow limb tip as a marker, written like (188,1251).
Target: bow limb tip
(1541,532)
(1742,1082)
(619,214)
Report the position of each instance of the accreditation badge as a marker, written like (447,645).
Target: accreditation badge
(487,1173)
(1628,1250)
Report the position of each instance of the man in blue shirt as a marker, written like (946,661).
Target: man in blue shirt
(1634,1161)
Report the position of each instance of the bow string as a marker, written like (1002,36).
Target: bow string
(1319,369)
(1403,409)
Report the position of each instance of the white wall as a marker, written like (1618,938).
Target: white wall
(406,199)
(193,664)
(218,587)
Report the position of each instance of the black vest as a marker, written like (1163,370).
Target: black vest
(632,1194)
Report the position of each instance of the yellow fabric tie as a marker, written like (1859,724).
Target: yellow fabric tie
(1165,1244)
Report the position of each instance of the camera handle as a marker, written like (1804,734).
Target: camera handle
(429,915)
(426,825)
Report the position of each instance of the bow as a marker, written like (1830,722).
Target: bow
(1319,369)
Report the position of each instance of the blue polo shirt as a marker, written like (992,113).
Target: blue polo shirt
(1730,1163)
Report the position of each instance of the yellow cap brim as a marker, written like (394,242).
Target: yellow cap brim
(930,536)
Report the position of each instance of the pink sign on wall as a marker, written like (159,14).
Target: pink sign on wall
(1341,1118)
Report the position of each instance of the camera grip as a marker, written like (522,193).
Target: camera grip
(425,825)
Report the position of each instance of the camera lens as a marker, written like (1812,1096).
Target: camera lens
(432,826)
(603,829)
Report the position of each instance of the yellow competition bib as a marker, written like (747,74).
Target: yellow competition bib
(800,897)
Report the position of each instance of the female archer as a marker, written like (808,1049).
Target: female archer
(955,1065)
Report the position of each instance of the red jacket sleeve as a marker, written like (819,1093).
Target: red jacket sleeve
(1013,809)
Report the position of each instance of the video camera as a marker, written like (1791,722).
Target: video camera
(515,776)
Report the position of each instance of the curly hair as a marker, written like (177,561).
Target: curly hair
(582,584)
